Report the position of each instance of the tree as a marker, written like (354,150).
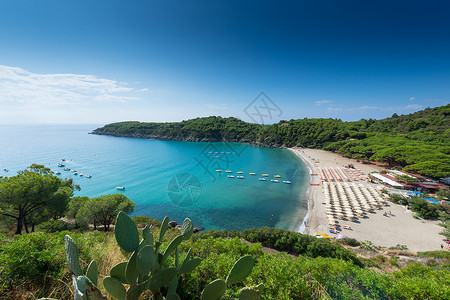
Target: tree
(33,196)
(74,206)
(103,209)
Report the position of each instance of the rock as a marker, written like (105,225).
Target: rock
(197,229)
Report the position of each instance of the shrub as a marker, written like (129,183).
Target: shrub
(349,242)
(368,246)
(30,259)
(298,244)
(54,226)
(141,221)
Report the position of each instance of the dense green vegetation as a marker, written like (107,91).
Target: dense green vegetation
(34,265)
(34,196)
(418,142)
(287,241)
(37,198)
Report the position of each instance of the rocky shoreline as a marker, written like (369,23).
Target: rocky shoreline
(186,139)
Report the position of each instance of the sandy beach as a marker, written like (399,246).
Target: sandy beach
(398,228)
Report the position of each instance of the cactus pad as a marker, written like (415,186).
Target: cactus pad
(115,288)
(126,232)
(241,269)
(215,290)
(72,256)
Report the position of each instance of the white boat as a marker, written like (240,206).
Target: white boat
(261,179)
(274,180)
(66,169)
(287,181)
(81,174)
(75,173)
(120,187)
(240,177)
(88,176)
(57,173)
(61,165)
(230,176)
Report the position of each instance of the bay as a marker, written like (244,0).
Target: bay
(177,179)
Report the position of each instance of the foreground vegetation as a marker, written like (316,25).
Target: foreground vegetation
(34,265)
(416,142)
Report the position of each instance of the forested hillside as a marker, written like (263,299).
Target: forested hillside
(417,142)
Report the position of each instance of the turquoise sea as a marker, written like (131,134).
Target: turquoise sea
(177,179)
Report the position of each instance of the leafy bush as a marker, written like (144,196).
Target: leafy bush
(54,226)
(349,242)
(368,246)
(144,220)
(37,260)
(31,258)
(424,209)
(290,242)
(398,199)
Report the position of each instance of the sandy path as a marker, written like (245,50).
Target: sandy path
(401,228)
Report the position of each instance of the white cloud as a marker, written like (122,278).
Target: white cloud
(413,106)
(412,98)
(21,87)
(368,107)
(215,106)
(320,102)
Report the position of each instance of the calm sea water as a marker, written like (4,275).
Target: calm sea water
(177,179)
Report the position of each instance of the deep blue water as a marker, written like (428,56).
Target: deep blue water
(177,179)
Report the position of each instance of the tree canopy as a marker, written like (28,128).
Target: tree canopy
(103,209)
(34,195)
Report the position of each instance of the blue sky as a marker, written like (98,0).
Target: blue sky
(103,61)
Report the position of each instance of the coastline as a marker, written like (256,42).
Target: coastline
(400,228)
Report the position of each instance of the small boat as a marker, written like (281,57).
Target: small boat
(218,170)
(88,176)
(277,176)
(63,159)
(81,174)
(240,172)
(73,170)
(61,165)
(57,173)
(265,175)
(120,187)
(252,173)
(287,181)
(230,176)
(228,171)
(75,173)
(261,179)
(66,169)
(240,177)
(274,180)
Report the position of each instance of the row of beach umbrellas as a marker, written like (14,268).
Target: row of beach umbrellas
(350,200)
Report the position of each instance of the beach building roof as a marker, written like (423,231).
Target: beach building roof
(396,172)
(385,178)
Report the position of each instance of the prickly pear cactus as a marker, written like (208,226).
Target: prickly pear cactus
(84,285)
(146,268)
